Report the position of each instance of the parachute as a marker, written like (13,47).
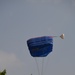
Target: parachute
(40,46)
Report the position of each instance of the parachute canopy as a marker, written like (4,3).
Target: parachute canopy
(62,36)
(40,46)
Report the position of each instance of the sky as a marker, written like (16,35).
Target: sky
(21,20)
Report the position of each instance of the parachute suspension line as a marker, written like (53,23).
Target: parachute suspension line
(37,66)
(40,71)
(42,66)
(46,64)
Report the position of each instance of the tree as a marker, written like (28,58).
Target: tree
(3,72)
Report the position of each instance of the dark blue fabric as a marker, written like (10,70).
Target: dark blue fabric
(40,46)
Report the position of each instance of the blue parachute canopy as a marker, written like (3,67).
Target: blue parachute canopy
(40,46)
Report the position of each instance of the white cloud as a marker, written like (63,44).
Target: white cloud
(9,60)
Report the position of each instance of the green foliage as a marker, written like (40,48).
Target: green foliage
(3,72)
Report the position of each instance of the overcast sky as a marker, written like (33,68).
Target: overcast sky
(24,19)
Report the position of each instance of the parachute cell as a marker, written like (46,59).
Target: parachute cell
(40,46)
